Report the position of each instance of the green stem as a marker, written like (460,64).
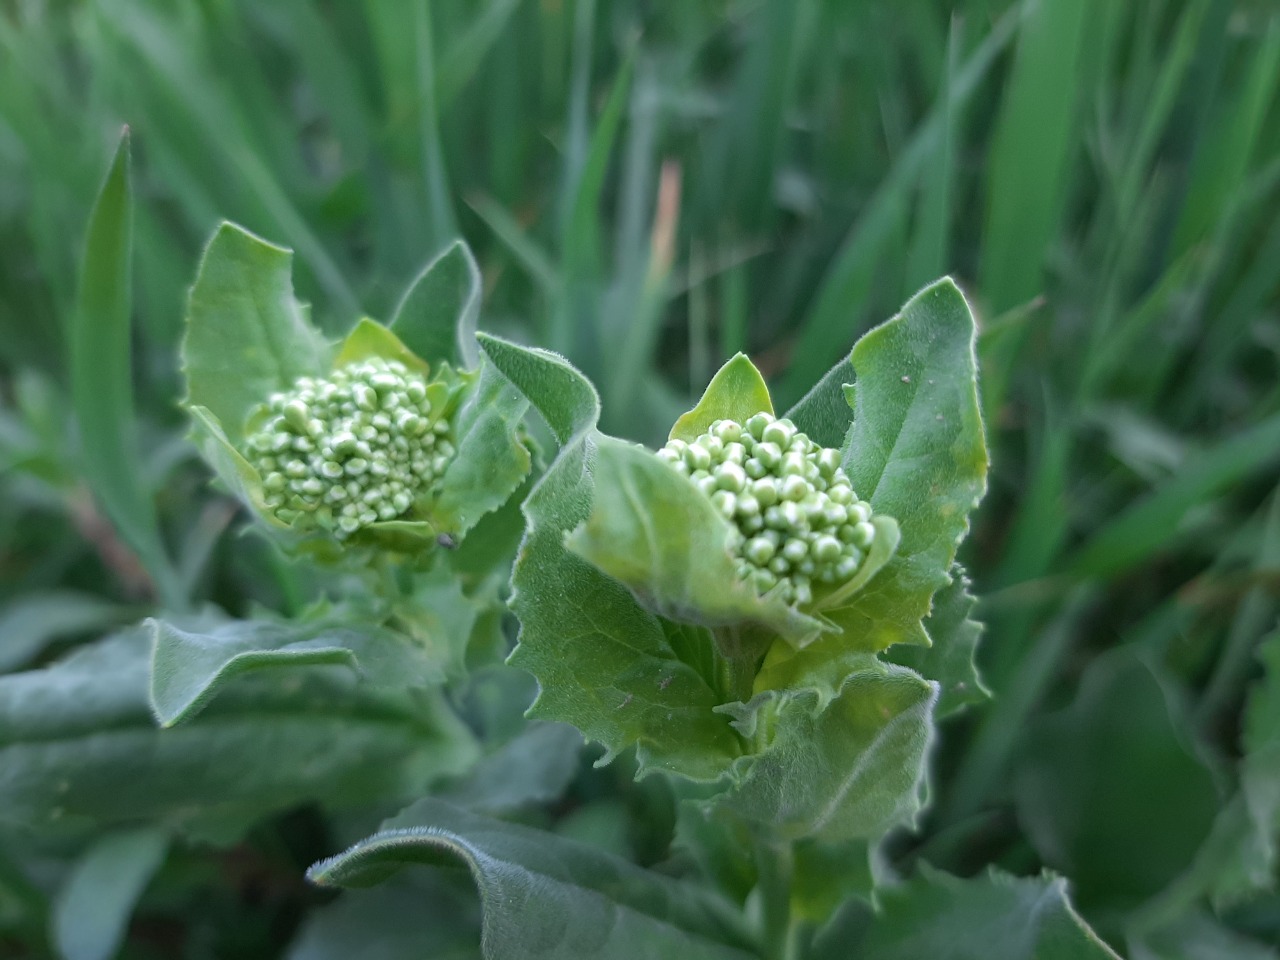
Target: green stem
(735,668)
(774,867)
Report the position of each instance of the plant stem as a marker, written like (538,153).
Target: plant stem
(775,865)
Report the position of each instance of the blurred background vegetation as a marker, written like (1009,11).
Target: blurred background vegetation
(650,187)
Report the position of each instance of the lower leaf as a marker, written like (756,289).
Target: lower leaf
(544,896)
(852,767)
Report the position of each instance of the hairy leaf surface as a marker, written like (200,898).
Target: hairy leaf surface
(437,317)
(950,659)
(916,451)
(188,668)
(246,334)
(842,769)
(545,896)
(603,662)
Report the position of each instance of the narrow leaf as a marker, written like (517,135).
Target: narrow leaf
(824,412)
(492,459)
(102,376)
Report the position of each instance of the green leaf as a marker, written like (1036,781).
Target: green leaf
(950,660)
(989,917)
(604,663)
(94,905)
(492,459)
(1199,936)
(373,924)
(34,620)
(102,377)
(543,895)
(1084,786)
(917,450)
(441,619)
(189,668)
(534,767)
(917,453)
(370,339)
(236,473)
(246,334)
(79,746)
(437,316)
(824,412)
(654,531)
(736,392)
(565,398)
(842,769)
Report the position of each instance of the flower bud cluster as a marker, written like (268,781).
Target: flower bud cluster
(358,447)
(797,518)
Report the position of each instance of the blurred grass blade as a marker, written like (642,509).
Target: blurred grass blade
(928,257)
(830,324)
(101,377)
(1223,162)
(1029,166)
(1150,524)
(1031,149)
(467,51)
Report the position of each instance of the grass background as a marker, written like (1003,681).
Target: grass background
(650,187)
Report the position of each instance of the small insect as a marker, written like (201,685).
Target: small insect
(447,541)
(625,701)
(665,682)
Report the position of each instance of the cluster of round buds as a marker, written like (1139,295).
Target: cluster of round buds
(798,519)
(352,449)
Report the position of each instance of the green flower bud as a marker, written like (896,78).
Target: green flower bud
(796,519)
(730,476)
(362,440)
(759,551)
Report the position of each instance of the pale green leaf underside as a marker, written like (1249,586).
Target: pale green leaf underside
(189,668)
(654,531)
(246,334)
(371,924)
(844,769)
(736,392)
(545,896)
